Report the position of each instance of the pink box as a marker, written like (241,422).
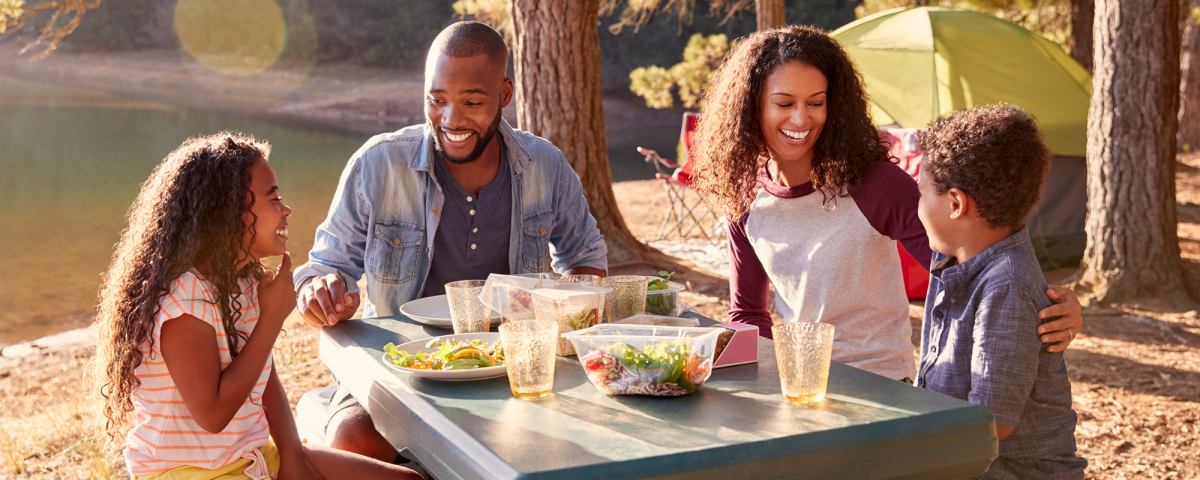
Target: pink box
(742,347)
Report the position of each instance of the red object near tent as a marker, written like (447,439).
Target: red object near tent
(908,156)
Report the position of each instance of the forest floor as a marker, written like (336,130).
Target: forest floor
(1135,370)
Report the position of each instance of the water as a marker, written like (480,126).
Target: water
(71,163)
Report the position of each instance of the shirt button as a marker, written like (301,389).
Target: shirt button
(472,212)
(469,199)
(933,349)
(472,246)
(474,230)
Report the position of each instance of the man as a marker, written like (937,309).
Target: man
(460,197)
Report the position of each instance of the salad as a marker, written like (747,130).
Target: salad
(669,368)
(660,301)
(448,355)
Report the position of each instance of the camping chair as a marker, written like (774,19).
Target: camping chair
(903,143)
(685,211)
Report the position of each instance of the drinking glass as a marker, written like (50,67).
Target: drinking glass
(802,351)
(467,313)
(581,278)
(529,348)
(628,297)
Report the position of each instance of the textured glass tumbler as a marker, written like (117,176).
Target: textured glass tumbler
(802,352)
(467,313)
(581,278)
(628,297)
(529,351)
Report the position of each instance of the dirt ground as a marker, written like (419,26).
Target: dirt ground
(1135,372)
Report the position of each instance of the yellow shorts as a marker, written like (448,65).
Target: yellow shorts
(233,471)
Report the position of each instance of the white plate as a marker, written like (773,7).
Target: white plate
(434,311)
(450,375)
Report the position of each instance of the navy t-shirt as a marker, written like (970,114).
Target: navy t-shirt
(473,235)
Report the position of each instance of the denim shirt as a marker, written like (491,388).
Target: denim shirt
(388,204)
(979,343)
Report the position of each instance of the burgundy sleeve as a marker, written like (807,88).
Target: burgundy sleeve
(748,282)
(888,197)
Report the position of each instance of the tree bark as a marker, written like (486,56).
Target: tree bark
(1083,14)
(1132,250)
(556,65)
(769,14)
(1188,138)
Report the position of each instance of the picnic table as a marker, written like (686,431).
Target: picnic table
(737,426)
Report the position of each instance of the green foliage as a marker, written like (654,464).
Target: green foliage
(701,57)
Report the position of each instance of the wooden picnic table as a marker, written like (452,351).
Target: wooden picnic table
(737,426)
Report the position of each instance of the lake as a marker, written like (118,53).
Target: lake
(71,163)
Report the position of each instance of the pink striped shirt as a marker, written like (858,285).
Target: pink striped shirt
(165,436)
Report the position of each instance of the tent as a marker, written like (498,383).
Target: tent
(919,63)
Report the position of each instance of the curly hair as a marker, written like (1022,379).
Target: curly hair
(994,154)
(730,141)
(192,212)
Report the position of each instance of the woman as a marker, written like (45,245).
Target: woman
(788,149)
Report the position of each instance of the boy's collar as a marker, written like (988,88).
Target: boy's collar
(948,264)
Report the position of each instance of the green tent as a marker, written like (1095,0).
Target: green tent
(922,62)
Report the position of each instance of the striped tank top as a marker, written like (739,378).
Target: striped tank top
(164,435)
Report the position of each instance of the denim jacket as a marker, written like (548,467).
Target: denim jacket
(388,205)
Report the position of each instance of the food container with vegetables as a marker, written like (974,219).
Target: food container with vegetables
(662,297)
(645,359)
(571,307)
(511,295)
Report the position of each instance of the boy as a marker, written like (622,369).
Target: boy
(980,178)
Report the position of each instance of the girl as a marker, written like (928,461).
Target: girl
(787,148)
(188,319)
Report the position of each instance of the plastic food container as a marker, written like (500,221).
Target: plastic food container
(572,308)
(664,302)
(646,359)
(659,320)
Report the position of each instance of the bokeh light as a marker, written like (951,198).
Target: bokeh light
(231,37)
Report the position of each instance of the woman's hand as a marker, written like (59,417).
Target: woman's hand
(276,296)
(1070,321)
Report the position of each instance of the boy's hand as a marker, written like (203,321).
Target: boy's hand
(276,296)
(1060,332)
(324,301)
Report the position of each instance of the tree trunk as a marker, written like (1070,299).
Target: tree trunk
(1083,14)
(1132,250)
(1188,138)
(556,65)
(769,14)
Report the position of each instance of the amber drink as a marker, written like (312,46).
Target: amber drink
(529,351)
(802,352)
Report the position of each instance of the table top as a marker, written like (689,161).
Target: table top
(738,425)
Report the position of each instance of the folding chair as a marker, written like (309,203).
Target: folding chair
(908,156)
(685,211)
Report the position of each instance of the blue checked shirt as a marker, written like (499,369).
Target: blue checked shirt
(979,343)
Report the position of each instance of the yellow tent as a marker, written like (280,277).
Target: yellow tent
(922,62)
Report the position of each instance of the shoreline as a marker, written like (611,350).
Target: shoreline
(339,98)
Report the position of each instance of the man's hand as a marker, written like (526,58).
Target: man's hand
(324,301)
(1070,321)
(276,296)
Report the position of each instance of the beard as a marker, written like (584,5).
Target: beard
(484,140)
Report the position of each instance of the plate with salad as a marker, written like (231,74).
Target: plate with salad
(455,358)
